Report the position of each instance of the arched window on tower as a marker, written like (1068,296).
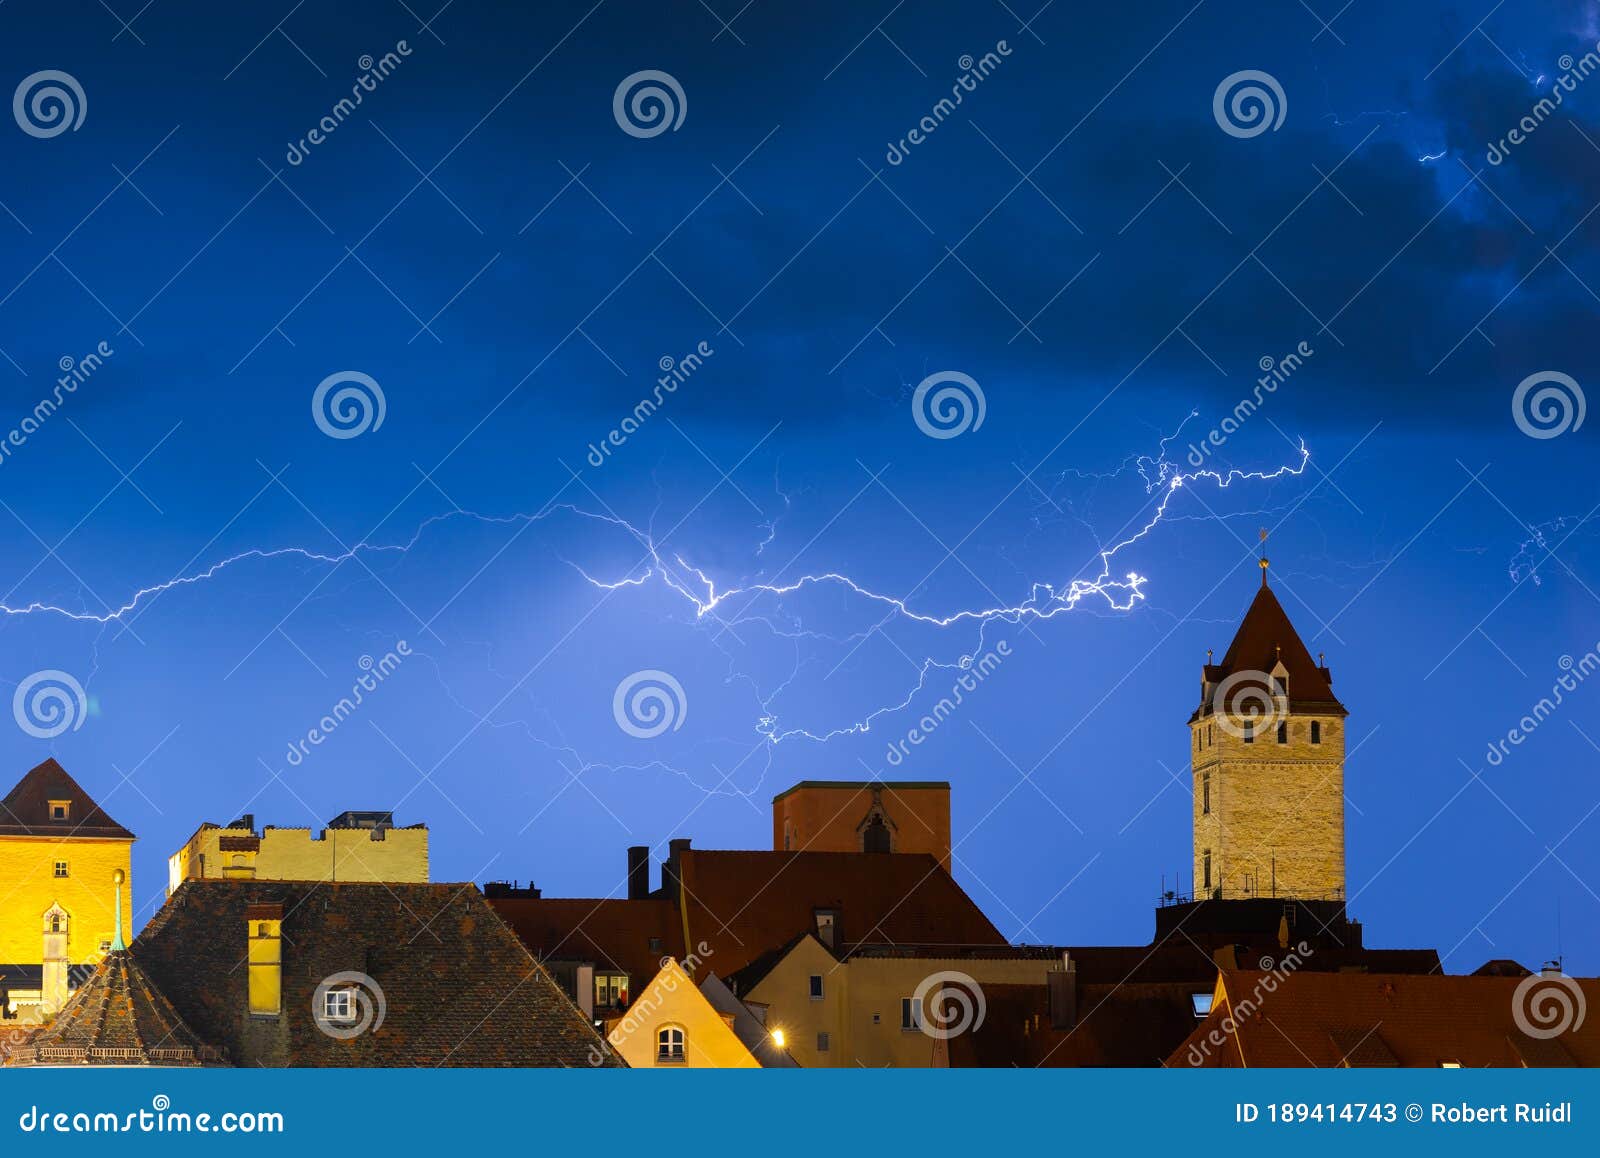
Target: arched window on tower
(875,836)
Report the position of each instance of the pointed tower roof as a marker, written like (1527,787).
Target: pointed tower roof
(26,811)
(1266,639)
(118,1018)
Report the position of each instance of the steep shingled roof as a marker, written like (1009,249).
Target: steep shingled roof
(26,810)
(1354,1019)
(1264,639)
(614,934)
(118,1018)
(459,988)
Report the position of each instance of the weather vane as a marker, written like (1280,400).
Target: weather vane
(1263,556)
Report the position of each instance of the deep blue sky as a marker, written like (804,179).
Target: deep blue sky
(827,293)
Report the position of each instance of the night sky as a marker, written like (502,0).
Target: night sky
(1081,237)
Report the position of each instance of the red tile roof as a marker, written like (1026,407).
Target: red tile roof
(26,811)
(1335,1019)
(612,934)
(1266,637)
(744,904)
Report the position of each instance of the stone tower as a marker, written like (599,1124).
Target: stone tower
(1267,750)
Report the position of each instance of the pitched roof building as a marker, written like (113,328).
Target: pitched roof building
(1358,1020)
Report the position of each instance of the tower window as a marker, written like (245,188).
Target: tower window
(1206,866)
(1250,732)
(1278,686)
(1205,793)
(1283,733)
(1316,731)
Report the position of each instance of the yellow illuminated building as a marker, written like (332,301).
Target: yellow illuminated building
(672,1024)
(59,855)
(355,846)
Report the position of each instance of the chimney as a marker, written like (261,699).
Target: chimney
(1063,985)
(669,867)
(638,872)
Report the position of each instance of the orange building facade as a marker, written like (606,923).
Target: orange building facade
(864,816)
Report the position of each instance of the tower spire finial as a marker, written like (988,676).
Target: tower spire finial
(1263,556)
(118,945)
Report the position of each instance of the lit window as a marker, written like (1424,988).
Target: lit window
(910,1013)
(610,990)
(816,987)
(823,1043)
(1449,1065)
(1201,1003)
(1316,731)
(669,1045)
(61,868)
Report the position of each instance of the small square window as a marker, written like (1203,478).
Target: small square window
(60,809)
(877,1019)
(816,987)
(655,944)
(62,868)
(823,1043)
(338,1005)
(1201,1003)
(105,946)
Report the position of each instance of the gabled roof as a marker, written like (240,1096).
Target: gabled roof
(1266,638)
(743,904)
(26,810)
(1356,1019)
(458,987)
(118,1018)
(610,934)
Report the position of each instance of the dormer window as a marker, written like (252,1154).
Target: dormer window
(61,810)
